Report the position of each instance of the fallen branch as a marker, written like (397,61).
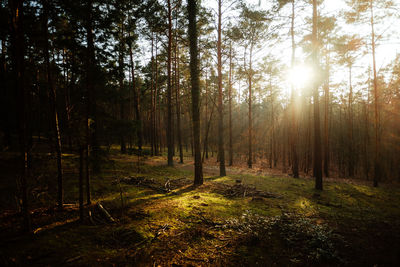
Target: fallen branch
(105,213)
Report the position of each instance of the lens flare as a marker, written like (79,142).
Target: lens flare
(300,76)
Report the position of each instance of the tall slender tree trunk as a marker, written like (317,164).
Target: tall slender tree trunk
(294,133)
(169,90)
(206,119)
(92,149)
(177,98)
(377,170)
(53,105)
(81,165)
(250,159)
(326,119)
(195,82)
(221,149)
(208,125)
(272,139)
(136,100)
(157,137)
(121,85)
(4,90)
(350,126)
(68,88)
(317,130)
(18,50)
(152,115)
(308,152)
(230,106)
(366,130)
(91,117)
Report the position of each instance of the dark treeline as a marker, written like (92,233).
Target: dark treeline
(180,79)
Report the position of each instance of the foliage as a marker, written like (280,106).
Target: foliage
(314,243)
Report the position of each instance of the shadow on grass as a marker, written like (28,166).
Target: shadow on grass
(154,195)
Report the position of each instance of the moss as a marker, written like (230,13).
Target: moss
(193,216)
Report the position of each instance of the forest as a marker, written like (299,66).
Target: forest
(200,133)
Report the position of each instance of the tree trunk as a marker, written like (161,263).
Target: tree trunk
(18,50)
(317,130)
(5,91)
(177,100)
(206,118)
(207,131)
(91,128)
(136,100)
(156,134)
(366,130)
(250,159)
(91,120)
(169,90)
(152,115)
(121,86)
(326,119)
(81,163)
(221,150)
(350,127)
(230,106)
(53,105)
(377,170)
(293,133)
(195,82)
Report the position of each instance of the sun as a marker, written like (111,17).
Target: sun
(300,76)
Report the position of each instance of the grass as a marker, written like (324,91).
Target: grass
(346,224)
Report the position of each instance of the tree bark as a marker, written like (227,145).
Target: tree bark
(206,118)
(317,130)
(152,115)
(326,119)
(195,83)
(177,97)
(81,163)
(18,50)
(350,126)
(295,161)
(377,171)
(91,123)
(91,128)
(156,135)
(250,146)
(121,86)
(53,105)
(230,107)
(221,150)
(136,100)
(169,90)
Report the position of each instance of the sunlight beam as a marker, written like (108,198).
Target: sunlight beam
(300,76)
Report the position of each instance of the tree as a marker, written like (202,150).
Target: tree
(195,84)
(251,30)
(347,47)
(177,85)
(317,130)
(169,89)
(327,34)
(221,150)
(17,53)
(91,116)
(294,133)
(53,104)
(230,106)
(365,11)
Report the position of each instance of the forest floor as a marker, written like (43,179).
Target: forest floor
(248,218)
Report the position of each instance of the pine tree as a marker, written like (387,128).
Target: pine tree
(195,84)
